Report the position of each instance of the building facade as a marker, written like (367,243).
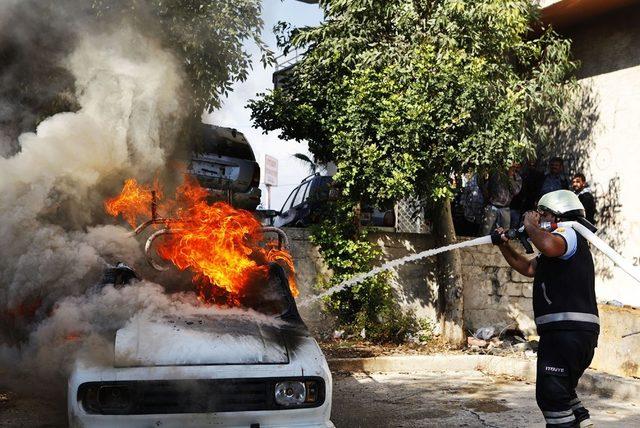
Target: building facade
(605,146)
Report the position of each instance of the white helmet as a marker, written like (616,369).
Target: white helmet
(562,203)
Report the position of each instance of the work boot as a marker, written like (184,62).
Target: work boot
(587,423)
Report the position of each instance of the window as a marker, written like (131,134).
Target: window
(212,143)
(287,203)
(300,196)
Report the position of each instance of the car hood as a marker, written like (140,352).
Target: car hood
(199,340)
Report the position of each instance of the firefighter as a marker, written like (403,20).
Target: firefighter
(564,306)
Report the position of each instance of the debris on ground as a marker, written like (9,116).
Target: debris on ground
(505,342)
(485,333)
(357,348)
(479,343)
(338,334)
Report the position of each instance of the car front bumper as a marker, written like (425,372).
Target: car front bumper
(264,419)
(313,364)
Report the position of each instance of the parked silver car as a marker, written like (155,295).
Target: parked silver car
(224,163)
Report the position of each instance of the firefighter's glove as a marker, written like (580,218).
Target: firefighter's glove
(497,237)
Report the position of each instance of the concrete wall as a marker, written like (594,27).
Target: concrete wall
(606,145)
(617,354)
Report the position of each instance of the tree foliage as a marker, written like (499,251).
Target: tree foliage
(402,94)
(368,306)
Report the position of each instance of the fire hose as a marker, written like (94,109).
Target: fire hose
(521,235)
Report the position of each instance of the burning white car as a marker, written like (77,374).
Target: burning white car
(226,367)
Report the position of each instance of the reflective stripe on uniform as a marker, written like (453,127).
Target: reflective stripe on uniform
(557,414)
(568,316)
(576,406)
(574,401)
(558,421)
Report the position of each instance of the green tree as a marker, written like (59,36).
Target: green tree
(207,36)
(309,163)
(404,94)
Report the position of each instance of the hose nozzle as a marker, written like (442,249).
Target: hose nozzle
(519,234)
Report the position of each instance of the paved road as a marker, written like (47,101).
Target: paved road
(463,399)
(467,399)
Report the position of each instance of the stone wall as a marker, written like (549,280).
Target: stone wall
(494,295)
(414,283)
(310,270)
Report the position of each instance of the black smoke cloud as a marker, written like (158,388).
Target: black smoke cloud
(35,37)
(84,104)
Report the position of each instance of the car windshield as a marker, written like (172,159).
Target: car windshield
(287,203)
(300,195)
(296,193)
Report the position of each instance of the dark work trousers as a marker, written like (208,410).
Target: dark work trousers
(563,355)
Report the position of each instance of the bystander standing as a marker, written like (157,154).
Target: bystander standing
(527,199)
(499,190)
(555,179)
(582,189)
(472,203)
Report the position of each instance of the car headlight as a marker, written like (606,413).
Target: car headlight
(109,399)
(296,393)
(290,393)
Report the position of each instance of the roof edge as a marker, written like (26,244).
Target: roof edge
(564,13)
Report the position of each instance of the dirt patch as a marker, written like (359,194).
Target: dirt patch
(351,348)
(19,411)
(428,413)
(487,406)
(7,400)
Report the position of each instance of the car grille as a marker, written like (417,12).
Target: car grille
(200,396)
(180,396)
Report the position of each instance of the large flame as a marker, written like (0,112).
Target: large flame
(223,246)
(134,202)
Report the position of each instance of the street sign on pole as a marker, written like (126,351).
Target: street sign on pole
(270,176)
(270,171)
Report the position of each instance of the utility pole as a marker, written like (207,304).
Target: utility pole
(270,176)
(268,196)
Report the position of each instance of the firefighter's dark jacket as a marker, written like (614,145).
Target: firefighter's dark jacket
(564,295)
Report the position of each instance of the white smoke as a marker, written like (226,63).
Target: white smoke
(51,194)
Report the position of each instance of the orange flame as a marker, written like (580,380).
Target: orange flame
(134,201)
(220,244)
(74,336)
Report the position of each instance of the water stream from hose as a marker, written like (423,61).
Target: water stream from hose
(395,263)
(624,264)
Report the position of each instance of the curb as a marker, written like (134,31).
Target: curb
(592,382)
